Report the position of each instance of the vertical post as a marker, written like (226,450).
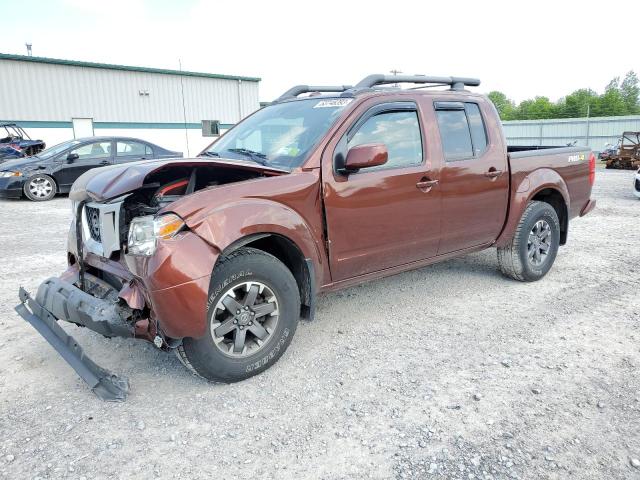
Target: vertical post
(588,114)
(184,109)
(239,100)
(541,125)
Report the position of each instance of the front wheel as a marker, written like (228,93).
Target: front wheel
(40,188)
(252,314)
(534,246)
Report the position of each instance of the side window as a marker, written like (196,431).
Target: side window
(147,151)
(94,150)
(399,131)
(462,130)
(478,132)
(130,149)
(454,133)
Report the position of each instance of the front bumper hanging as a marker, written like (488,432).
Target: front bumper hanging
(54,295)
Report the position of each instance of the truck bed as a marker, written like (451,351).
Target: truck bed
(543,162)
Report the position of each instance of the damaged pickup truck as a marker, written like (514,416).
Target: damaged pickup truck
(218,257)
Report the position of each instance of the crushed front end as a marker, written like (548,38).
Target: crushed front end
(135,270)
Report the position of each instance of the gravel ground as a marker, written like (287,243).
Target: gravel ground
(449,371)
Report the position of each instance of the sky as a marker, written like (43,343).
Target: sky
(523,49)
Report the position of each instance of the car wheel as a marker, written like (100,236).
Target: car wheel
(40,188)
(533,248)
(252,314)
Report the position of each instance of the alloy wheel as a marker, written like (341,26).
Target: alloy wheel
(244,319)
(40,187)
(539,243)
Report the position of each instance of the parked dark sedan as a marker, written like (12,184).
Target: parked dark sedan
(55,169)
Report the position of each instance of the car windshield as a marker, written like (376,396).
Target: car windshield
(55,150)
(280,135)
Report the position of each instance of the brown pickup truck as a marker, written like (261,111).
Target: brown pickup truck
(218,257)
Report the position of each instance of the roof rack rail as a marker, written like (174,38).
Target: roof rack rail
(457,83)
(300,89)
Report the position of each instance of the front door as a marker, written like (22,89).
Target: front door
(89,155)
(385,216)
(474,178)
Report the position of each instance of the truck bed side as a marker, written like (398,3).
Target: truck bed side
(560,175)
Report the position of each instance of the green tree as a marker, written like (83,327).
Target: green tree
(505,106)
(577,104)
(611,102)
(619,98)
(539,107)
(630,90)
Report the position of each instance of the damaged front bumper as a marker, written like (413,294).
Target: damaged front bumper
(58,299)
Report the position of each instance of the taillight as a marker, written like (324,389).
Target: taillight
(592,168)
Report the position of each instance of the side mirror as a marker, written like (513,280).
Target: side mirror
(365,156)
(72,157)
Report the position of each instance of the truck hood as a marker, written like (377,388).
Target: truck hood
(105,183)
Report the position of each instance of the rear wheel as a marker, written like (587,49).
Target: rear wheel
(40,188)
(252,315)
(533,248)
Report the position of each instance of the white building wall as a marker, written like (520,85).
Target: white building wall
(48,92)
(44,96)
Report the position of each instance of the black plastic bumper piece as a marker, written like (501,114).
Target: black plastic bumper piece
(104,384)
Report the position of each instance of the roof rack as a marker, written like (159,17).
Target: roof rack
(370,81)
(300,89)
(457,83)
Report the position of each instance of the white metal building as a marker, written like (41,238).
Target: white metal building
(56,100)
(593,132)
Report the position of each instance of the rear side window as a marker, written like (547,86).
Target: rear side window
(125,148)
(455,135)
(462,130)
(399,131)
(476,125)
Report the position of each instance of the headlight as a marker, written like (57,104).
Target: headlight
(10,174)
(144,232)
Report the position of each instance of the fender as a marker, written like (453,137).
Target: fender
(522,191)
(250,217)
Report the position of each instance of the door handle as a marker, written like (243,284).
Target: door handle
(104,162)
(426,185)
(492,173)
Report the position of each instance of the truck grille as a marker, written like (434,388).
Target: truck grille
(93,222)
(101,227)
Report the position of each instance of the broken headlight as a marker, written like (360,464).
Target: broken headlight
(144,232)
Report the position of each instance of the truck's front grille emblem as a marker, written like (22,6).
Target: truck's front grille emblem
(93,221)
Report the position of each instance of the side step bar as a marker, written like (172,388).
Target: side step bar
(106,385)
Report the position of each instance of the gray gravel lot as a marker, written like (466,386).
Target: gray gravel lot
(449,371)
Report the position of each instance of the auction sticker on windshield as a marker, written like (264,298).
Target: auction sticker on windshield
(333,103)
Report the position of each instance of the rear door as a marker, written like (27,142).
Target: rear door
(381,217)
(474,179)
(90,155)
(131,151)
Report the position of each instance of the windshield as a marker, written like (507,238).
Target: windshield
(280,135)
(55,150)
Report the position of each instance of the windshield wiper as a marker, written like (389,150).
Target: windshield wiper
(255,156)
(210,154)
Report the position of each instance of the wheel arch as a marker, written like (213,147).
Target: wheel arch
(290,254)
(553,197)
(543,184)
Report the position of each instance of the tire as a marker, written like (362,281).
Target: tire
(516,259)
(216,356)
(40,188)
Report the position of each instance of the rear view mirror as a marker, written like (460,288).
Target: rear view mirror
(365,156)
(72,157)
